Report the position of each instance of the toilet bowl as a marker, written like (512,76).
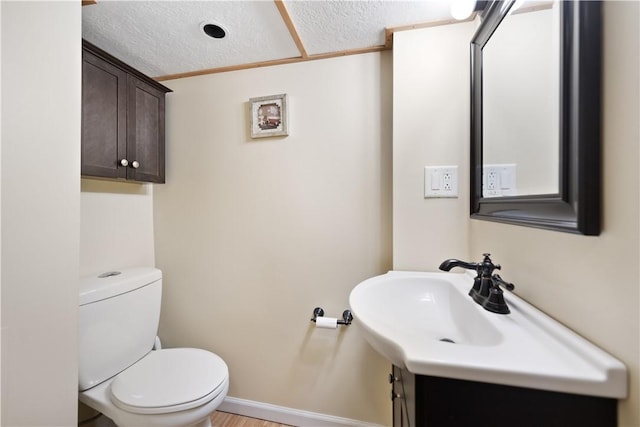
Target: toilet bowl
(163,389)
(120,374)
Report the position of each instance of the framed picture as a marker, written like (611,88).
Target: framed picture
(269,116)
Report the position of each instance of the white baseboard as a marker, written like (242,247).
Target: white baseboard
(283,415)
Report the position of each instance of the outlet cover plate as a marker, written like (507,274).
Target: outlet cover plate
(440,181)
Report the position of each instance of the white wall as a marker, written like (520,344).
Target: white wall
(430,128)
(40,212)
(588,283)
(253,234)
(116,226)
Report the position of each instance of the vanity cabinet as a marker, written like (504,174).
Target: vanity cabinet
(123,124)
(426,401)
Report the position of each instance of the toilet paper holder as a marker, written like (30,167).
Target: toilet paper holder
(347,317)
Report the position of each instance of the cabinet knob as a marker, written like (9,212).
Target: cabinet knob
(124,162)
(135,164)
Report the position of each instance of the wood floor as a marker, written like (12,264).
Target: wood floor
(224,419)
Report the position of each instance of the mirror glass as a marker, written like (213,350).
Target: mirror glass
(521,102)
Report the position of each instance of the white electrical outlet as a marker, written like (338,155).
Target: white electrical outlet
(440,181)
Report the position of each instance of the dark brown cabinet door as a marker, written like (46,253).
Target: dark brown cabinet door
(145,132)
(104,120)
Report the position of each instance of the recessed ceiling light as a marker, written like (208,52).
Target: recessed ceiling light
(213,30)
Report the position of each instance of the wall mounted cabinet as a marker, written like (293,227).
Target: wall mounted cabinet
(123,134)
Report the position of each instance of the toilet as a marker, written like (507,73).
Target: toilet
(123,371)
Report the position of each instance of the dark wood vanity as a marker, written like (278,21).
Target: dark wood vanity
(123,125)
(427,401)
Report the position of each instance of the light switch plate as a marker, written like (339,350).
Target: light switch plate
(440,181)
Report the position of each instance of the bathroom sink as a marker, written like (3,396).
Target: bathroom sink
(427,323)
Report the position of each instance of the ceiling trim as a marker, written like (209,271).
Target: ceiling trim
(284,13)
(388,32)
(534,8)
(271,63)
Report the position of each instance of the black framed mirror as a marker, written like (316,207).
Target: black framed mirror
(573,204)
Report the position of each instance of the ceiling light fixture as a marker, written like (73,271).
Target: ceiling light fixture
(462,9)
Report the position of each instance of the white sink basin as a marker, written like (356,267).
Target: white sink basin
(426,323)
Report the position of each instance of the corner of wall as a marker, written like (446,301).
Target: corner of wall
(431,128)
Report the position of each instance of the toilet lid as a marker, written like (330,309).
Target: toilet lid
(170,380)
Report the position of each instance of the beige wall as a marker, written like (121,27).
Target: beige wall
(430,128)
(116,226)
(253,234)
(40,212)
(591,284)
(588,283)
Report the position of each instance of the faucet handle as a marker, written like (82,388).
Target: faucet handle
(486,258)
(486,267)
(500,281)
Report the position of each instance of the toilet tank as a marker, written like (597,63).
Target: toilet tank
(118,323)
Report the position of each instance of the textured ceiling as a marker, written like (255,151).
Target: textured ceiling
(330,26)
(163,38)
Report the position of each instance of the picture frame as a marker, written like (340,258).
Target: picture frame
(269,116)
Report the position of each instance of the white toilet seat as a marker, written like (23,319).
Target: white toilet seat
(169,380)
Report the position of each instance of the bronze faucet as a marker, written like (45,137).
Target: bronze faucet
(486,289)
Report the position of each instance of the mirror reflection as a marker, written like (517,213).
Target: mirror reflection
(521,139)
